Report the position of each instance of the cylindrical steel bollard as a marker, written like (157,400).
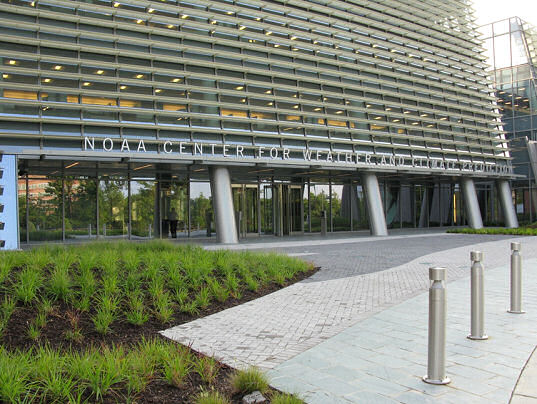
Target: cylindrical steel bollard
(516,280)
(477,330)
(436,360)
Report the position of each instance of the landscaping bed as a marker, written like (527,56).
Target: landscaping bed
(520,231)
(79,323)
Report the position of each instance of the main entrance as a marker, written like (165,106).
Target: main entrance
(268,209)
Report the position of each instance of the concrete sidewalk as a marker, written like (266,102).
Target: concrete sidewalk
(362,337)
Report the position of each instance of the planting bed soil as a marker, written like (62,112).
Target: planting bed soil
(80,324)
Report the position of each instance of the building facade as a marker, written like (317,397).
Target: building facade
(258,117)
(510,48)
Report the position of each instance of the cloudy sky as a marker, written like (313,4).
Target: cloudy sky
(493,10)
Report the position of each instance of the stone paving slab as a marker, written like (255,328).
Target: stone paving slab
(275,328)
(481,371)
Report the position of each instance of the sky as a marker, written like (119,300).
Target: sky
(488,11)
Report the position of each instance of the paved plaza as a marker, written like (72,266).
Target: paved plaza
(356,331)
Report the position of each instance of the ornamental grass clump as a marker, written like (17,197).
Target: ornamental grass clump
(283,398)
(207,368)
(210,397)
(177,367)
(248,381)
(28,284)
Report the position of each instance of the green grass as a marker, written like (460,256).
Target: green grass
(285,399)
(44,374)
(521,231)
(112,282)
(248,381)
(121,281)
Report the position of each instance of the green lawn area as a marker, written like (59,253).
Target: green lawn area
(79,323)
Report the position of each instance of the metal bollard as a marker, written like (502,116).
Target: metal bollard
(478,297)
(436,360)
(516,280)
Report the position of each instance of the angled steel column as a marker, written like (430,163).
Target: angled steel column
(506,201)
(375,210)
(224,215)
(472,205)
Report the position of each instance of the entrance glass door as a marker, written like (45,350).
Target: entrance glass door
(245,202)
(288,209)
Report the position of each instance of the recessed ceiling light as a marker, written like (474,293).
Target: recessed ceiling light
(139,76)
(99,71)
(86,83)
(176,80)
(47,80)
(122,87)
(58,67)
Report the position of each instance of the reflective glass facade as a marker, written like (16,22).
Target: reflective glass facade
(510,46)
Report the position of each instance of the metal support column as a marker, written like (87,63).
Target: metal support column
(97,207)
(63,209)
(224,214)
(309,205)
(377,220)
(258,202)
(188,212)
(27,211)
(506,201)
(330,205)
(129,208)
(471,203)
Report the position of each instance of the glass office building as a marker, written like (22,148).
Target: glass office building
(245,118)
(510,47)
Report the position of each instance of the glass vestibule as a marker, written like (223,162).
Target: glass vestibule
(246,203)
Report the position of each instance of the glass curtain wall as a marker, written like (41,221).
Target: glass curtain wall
(341,220)
(201,209)
(319,201)
(113,209)
(510,46)
(143,208)
(267,208)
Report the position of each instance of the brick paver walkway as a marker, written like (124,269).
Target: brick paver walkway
(275,328)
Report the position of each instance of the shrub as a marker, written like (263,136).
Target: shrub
(248,381)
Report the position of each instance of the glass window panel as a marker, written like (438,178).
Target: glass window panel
(65,113)
(100,115)
(98,100)
(19,94)
(16,110)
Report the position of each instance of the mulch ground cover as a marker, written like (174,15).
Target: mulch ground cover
(64,321)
